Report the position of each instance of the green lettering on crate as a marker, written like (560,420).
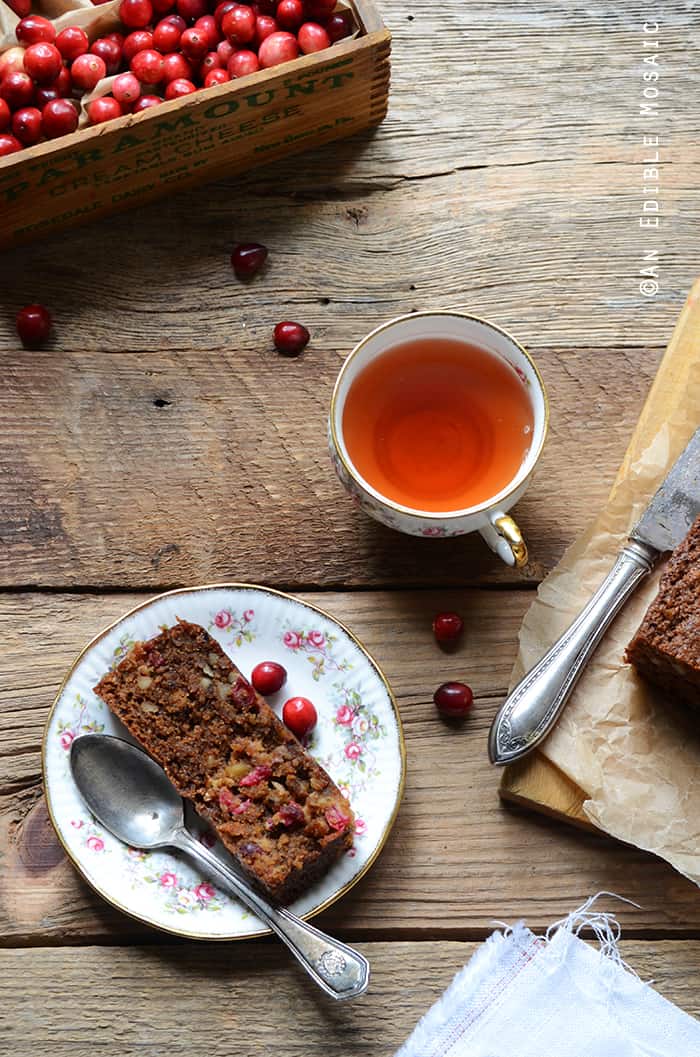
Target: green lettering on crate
(221,109)
(11,194)
(129,140)
(253,100)
(306,89)
(184,121)
(336,80)
(50,174)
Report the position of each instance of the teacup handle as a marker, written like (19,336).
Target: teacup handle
(505,539)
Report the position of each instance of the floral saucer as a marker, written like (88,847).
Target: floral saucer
(358,739)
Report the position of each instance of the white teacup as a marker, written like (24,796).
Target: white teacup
(490,517)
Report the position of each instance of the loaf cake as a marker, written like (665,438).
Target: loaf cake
(224,749)
(666,648)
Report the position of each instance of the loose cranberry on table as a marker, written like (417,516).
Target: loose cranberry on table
(338,26)
(248,258)
(26,125)
(17,89)
(87,70)
(148,66)
(104,109)
(135,14)
(447,627)
(299,716)
(215,77)
(238,24)
(277,48)
(58,118)
(9,144)
(126,89)
(312,38)
(453,700)
(110,51)
(33,325)
(43,62)
(144,102)
(268,677)
(290,338)
(33,29)
(176,68)
(290,14)
(242,63)
(72,42)
(179,87)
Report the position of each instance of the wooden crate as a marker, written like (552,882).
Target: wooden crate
(207,135)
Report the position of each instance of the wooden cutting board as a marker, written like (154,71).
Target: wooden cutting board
(534,781)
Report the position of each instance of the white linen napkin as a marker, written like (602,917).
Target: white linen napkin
(555,996)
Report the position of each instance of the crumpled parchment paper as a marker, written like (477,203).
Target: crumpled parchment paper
(634,750)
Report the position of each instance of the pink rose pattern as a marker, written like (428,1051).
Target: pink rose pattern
(69,729)
(359,729)
(173,894)
(95,844)
(318,649)
(240,628)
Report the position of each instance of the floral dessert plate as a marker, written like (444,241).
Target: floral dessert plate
(358,739)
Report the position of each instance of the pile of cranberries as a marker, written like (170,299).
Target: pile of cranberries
(165,49)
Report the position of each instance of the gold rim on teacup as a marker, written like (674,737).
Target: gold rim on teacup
(491,517)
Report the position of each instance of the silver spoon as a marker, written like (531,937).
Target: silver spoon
(134,799)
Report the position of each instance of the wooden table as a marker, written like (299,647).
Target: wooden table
(160,441)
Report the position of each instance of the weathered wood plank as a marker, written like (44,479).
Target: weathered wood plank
(172,469)
(508,177)
(249,1000)
(456,859)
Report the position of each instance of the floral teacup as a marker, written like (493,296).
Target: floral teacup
(491,517)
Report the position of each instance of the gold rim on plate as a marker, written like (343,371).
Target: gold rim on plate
(235,586)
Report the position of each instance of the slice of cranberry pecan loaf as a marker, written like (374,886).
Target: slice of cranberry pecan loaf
(224,749)
(666,647)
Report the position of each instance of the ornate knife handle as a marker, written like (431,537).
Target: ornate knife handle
(533,707)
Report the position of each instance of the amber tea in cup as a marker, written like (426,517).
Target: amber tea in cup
(437,424)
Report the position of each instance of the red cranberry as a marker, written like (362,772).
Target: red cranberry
(238,24)
(211,61)
(72,42)
(26,125)
(5,115)
(291,338)
(290,14)
(126,89)
(17,89)
(162,7)
(33,325)
(8,144)
(215,77)
(166,35)
(118,38)
(292,814)
(313,37)
(20,7)
(176,68)
(447,627)
(63,83)
(194,45)
(136,13)
(87,70)
(224,49)
(338,26)
(248,258)
(12,61)
(336,819)
(104,109)
(110,51)
(144,102)
(453,700)
(277,48)
(265,7)
(265,25)
(242,63)
(261,773)
(42,96)
(148,66)
(35,28)
(207,25)
(59,117)
(179,87)
(268,677)
(299,716)
(319,10)
(43,62)
(191,10)
(221,9)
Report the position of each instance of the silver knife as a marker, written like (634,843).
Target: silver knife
(533,707)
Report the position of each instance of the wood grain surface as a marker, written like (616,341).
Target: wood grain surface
(217,1000)
(158,440)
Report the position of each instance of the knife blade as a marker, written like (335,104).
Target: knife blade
(667,519)
(533,707)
